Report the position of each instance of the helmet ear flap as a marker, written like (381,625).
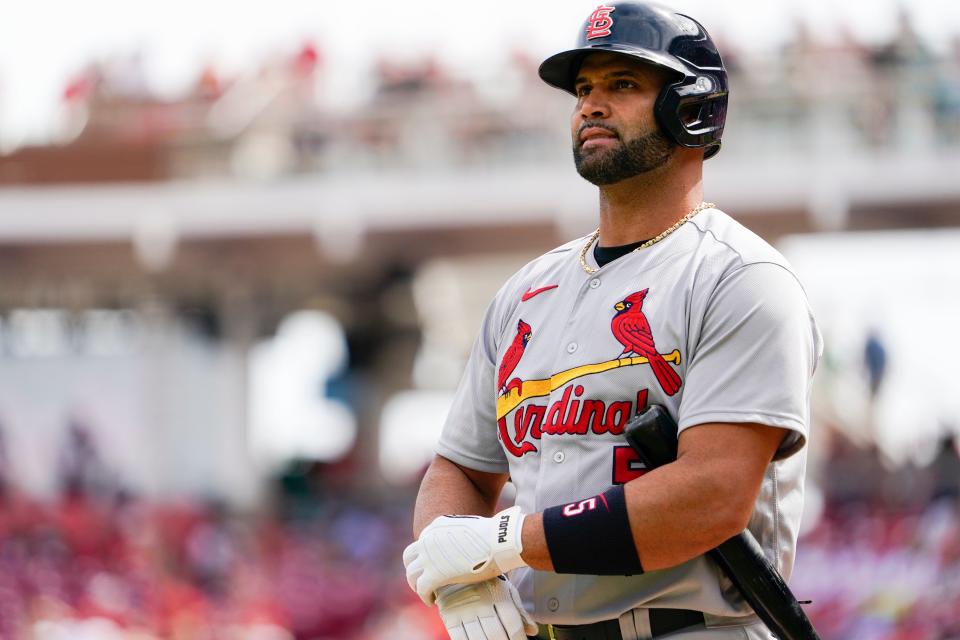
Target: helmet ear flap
(690,116)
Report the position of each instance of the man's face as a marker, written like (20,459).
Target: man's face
(615,136)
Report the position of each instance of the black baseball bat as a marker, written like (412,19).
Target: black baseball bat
(653,435)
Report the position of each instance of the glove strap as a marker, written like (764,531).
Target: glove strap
(507,543)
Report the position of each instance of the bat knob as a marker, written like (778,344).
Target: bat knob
(653,435)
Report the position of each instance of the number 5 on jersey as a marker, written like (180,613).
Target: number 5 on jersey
(626,465)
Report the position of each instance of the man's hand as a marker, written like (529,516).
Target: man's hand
(464,549)
(489,610)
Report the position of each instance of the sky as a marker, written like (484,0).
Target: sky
(44,42)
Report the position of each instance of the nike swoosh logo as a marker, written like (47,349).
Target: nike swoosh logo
(529,294)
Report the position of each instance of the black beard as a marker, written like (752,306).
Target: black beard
(628,159)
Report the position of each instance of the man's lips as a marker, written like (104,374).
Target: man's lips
(596,136)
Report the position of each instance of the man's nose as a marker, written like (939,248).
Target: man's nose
(594,105)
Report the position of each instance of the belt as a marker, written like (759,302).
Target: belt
(662,622)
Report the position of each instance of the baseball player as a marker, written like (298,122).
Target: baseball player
(670,302)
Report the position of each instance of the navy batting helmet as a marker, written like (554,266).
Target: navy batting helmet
(692,109)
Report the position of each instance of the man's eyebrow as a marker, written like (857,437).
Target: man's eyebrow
(613,74)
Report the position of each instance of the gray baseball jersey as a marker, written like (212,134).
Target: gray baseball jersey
(711,323)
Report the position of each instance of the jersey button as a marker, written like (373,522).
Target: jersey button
(595,283)
(559,457)
(571,347)
(553,604)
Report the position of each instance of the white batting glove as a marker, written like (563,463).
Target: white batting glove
(464,549)
(488,610)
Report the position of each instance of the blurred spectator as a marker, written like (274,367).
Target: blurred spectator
(397,80)
(82,471)
(209,85)
(946,470)
(308,60)
(906,49)
(852,472)
(84,84)
(947,96)
(906,81)
(5,474)
(875,361)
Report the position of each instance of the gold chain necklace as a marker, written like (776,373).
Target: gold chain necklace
(652,241)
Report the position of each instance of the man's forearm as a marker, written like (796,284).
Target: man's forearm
(685,508)
(447,489)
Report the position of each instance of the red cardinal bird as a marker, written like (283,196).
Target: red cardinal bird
(512,357)
(631,328)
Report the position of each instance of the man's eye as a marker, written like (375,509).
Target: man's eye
(583,90)
(624,84)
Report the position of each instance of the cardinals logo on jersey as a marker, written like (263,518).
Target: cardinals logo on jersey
(572,409)
(631,329)
(512,358)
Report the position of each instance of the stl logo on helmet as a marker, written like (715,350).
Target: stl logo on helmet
(600,22)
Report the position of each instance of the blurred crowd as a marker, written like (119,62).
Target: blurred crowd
(322,562)
(882,561)
(97,562)
(286,117)
(900,87)
(130,569)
